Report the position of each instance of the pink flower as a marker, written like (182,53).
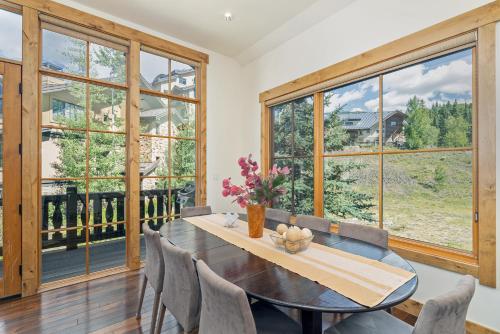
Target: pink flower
(242,162)
(226,192)
(226,183)
(274,170)
(285,170)
(235,190)
(242,201)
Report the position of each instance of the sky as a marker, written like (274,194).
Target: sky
(443,79)
(10,35)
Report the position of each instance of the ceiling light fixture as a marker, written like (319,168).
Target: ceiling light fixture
(228,16)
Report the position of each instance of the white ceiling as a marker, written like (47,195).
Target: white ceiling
(201,22)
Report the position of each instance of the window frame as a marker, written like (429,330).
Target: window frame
(34,15)
(476,263)
(87,80)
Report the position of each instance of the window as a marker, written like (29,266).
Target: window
(82,155)
(168,143)
(10,35)
(62,109)
(397,154)
(293,142)
(160,73)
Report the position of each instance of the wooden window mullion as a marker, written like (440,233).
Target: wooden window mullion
(318,154)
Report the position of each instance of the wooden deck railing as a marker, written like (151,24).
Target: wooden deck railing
(63,215)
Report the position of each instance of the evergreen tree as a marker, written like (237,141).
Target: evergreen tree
(456,134)
(419,131)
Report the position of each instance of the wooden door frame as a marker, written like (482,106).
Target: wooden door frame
(10,282)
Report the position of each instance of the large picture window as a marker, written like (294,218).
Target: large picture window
(398,151)
(293,142)
(83,156)
(168,141)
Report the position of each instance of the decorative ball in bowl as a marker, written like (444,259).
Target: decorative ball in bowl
(293,239)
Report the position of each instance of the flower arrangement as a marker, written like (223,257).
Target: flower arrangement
(258,189)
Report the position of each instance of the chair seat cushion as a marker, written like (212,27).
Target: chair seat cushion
(269,319)
(379,322)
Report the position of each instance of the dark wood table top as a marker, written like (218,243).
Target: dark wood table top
(267,281)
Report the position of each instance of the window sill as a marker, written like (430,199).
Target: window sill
(431,255)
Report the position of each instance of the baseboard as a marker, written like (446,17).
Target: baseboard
(413,307)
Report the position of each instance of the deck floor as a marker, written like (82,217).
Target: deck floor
(61,263)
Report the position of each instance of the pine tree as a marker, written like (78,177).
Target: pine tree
(419,131)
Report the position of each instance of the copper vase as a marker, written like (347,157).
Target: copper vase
(256,217)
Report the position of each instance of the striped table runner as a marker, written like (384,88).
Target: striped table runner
(367,282)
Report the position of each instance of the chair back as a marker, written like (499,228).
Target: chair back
(446,314)
(224,306)
(154,268)
(372,235)
(196,211)
(181,289)
(278,215)
(313,223)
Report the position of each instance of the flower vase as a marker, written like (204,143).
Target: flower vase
(256,217)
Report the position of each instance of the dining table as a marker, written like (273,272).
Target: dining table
(265,281)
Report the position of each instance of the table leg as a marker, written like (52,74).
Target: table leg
(312,322)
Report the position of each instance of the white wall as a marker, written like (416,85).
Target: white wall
(224,110)
(360,27)
(233,120)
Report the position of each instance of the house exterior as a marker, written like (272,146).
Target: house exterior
(60,98)
(363,127)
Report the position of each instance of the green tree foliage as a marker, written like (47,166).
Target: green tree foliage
(106,151)
(456,132)
(106,156)
(294,138)
(419,131)
(340,197)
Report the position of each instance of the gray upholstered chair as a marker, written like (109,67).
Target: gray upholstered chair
(278,215)
(372,235)
(441,315)
(181,289)
(196,211)
(225,309)
(313,223)
(154,270)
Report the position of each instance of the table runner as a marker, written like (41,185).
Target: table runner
(368,282)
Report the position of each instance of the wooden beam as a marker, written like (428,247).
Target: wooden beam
(30,153)
(109,27)
(455,26)
(11,179)
(318,154)
(133,159)
(265,139)
(486,154)
(201,124)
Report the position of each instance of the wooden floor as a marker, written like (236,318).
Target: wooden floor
(103,306)
(106,305)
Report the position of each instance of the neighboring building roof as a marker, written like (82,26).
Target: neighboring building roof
(363,120)
(161,78)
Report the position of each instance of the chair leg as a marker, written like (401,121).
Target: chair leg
(141,298)
(159,324)
(154,314)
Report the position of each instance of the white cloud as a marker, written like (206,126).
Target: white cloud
(10,35)
(349,96)
(431,85)
(372,104)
